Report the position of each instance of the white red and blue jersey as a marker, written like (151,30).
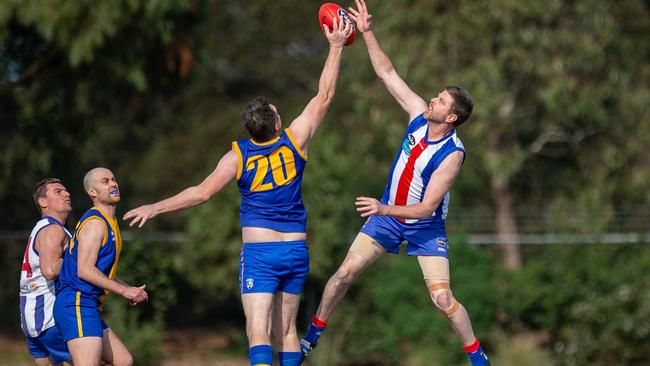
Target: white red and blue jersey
(37,293)
(416,160)
(269,177)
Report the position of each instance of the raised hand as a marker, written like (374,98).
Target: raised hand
(140,215)
(361,16)
(338,35)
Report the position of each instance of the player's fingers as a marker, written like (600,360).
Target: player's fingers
(366,214)
(144,219)
(359,5)
(143,287)
(133,222)
(127,215)
(352,11)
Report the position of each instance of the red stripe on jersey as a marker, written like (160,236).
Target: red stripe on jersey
(26,267)
(407,174)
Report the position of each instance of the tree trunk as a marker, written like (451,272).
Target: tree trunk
(506,226)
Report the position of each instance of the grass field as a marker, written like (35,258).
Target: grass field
(196,348)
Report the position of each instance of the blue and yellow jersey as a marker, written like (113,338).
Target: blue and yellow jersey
(269,177)
(107,259)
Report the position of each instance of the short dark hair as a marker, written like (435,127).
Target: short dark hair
(40,190)
(463,104)
(258,118)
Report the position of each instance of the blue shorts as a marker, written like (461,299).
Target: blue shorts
(49,343)
(77,315)
(423,237)
(273,266)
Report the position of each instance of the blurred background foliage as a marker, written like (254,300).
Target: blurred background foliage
(153,90)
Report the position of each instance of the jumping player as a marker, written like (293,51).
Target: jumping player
(89,273)
(41,266)
(268,167)
(415,201)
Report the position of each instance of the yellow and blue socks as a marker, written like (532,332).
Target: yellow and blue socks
(261,355)
(290,358)
(476,355)
(310,340)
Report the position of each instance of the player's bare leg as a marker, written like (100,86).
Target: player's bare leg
(86,351)
(362,253)
(285,310)
(257,308)
(437,279)
(114,352)
(45,361)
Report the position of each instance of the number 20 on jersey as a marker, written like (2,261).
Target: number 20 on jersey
(281,163)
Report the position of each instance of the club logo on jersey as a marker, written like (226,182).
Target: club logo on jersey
(249,283)
(441,241)
(408,142)
(411,139)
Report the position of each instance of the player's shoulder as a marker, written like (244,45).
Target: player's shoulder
(456,141)
(417,121)
(51,229)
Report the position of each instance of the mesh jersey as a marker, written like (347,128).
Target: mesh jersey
(414,163)
(269,177)
(107,259)
(37,293)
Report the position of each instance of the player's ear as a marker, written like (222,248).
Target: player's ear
(91,192)
(42,202)
(451,118)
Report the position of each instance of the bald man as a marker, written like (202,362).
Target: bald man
(89,273)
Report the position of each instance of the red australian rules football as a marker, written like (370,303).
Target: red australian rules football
(326,15)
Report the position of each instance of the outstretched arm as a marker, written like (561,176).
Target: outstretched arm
(440,183)
(305,126)
(412,103)
(225,171)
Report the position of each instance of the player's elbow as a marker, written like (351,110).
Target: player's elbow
(426,211)
(203,195)
(83,272)
(325,97)
(386,73)
(49,273)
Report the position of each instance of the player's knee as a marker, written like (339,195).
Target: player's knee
(443,299)
(445,302)
(344,276)
(125,360)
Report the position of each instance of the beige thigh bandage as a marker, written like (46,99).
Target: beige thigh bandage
(434,268)
(367,247)
(443,299)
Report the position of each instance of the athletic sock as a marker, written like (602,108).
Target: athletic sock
(290,358)
(310,340)
(476,355)
(261,355)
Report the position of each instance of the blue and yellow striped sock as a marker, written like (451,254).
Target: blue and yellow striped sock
(261,355)
(290,358)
